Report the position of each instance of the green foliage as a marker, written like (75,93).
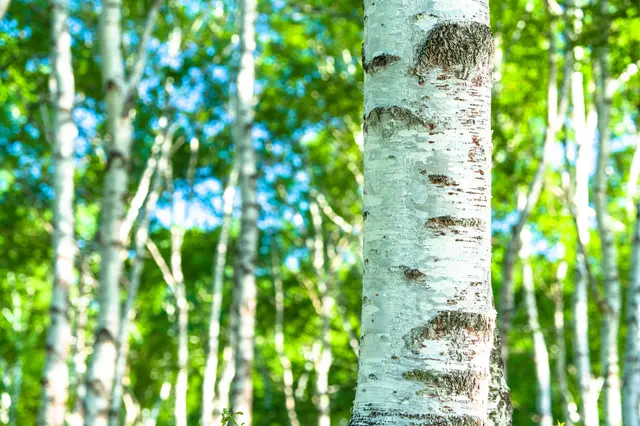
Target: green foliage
(229,418)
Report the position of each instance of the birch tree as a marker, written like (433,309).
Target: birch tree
(55,380)
(220,259)
(612,405)
(631,398)
(4,6)
(245,285)
(588,385)
(119,92)
(540,352)
(427,315)
(128,312)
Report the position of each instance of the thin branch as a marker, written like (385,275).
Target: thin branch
(331,214)
(162,264)
(141,56)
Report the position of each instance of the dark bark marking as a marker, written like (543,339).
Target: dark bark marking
(442,180)
(456,47)
(413,274)
(393,119)
(455,382)
(450,221)
(367,415)
(448,324)
(379,63)
(114,155)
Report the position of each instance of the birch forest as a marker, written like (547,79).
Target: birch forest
(296,213)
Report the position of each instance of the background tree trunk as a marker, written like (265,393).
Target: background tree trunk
(612,405)
(245,285)
(540,352)
(426,207)
(220,260)
(55,380)
(631,394)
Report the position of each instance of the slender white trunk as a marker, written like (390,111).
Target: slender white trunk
(427,315)
(609,359)
(287,376)
(86,288)
(556,109)
(632,182)
(581,353)
(182,307)
(165,391)
(16,388)
(568,405)
(323,363)
(631,398)
(4,6)
(119,93)
(222,398)
(540,353)
(220,260)
(245,285)
(128,312)
(102,368)
(55,379)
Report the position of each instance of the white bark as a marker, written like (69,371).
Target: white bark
(631,387)
(612,405)
(102,368)
(128,312)
(245,286)
(4,6)
(87,285)
(428,316)
(220,260)
(568,405)
(556,110)
(118,96)
(55,379)
(182,307)
(287,376)
(323,363)
(221,399)
(540,352)
(587,384)
(165,391)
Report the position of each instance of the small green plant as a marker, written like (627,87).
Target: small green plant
(560,423)
(229,418)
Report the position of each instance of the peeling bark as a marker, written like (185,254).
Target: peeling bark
(427,318)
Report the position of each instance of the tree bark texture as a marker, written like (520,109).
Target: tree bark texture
(427,318)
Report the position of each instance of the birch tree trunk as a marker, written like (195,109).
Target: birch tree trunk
(86,288)
(118,95)
(55,379)
(428,316)
(4,6)
(582,357)
(128,312)
(540,353)
(182,307)
(612,405)
(556,109)
(287,376)
(245,286)
(568,405)
(323,363)
(220,259)
(631,387)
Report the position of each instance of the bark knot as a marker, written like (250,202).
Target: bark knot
(379,62)
(456,47)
